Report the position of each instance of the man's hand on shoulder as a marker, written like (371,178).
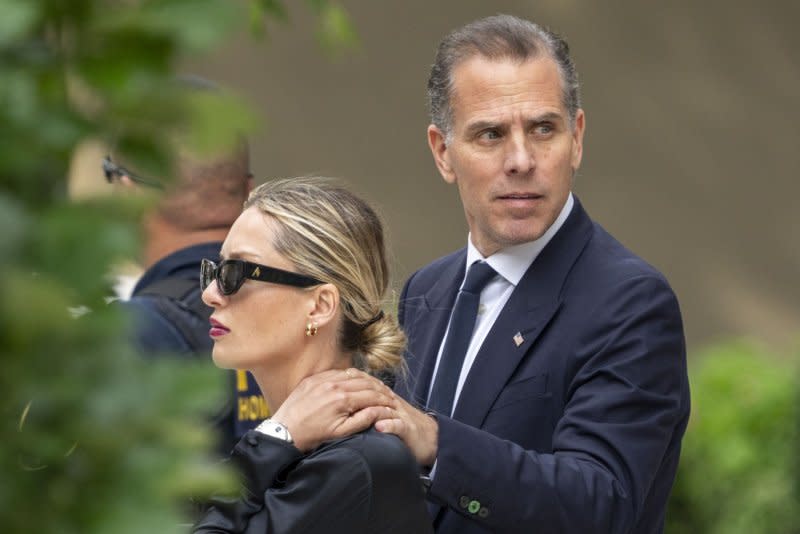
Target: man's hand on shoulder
(417,429)
(333,404)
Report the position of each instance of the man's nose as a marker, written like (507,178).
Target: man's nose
(519,159)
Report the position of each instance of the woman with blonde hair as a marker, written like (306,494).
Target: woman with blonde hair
(298,292)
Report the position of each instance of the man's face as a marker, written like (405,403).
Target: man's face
(512,152)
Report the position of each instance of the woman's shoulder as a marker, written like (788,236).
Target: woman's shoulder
(376,448)
(396,492)
(384,456)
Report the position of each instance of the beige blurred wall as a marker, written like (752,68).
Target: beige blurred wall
(691,156)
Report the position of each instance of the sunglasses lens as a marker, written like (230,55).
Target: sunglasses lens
(230,277)
(207,268)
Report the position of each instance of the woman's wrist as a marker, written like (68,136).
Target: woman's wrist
(274,428)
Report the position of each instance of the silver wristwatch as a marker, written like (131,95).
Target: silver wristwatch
(272,428)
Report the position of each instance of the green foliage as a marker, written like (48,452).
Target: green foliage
(739,469)
(96,438)
(335,32)
(91,431)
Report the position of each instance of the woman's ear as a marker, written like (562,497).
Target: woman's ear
(324,305)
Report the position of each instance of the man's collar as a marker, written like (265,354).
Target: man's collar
(512,262)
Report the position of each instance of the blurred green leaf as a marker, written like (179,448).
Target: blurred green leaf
(195,24)
(738,464)
(274,9)
(260,10)
(15,222)
(18,18)
(336,33)
(218,121)
(97,438)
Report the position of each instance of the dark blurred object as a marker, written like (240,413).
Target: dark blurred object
(113,172)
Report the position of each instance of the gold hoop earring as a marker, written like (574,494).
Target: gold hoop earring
(311,329)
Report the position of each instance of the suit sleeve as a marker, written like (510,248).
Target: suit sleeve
(284,492)
(625,410)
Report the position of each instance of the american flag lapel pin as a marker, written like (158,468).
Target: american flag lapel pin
(518,339)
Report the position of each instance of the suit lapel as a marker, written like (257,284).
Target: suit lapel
(532,305)
(499,356)
(431,313)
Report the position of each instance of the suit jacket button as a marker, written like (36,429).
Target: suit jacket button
(483,513)
(251,439)
(463,501)
(473,507)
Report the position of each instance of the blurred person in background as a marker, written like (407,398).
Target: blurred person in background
(299,291)
(187,223)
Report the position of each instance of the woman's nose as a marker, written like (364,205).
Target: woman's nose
(212,295)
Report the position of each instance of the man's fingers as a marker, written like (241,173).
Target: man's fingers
(391,425)
(361,381)
(358,421)
(384,418)
(359,400)
(389,420)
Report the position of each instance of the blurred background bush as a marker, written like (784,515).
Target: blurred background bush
(739,466)
(94,438)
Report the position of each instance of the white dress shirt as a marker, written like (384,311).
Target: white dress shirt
(511,264)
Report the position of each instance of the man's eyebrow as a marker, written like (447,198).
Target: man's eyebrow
(479,125)
(550,116)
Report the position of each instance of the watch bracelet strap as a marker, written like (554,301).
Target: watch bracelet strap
(274,429)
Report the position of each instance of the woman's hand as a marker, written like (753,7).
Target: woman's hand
(333,404)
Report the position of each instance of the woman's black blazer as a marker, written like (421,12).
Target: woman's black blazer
(366,483)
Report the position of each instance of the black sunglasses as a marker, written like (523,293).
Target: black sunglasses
(231,274)
(112,171)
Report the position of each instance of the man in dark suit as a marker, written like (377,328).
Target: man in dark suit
(558,403)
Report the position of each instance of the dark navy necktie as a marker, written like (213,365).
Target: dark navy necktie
(462,323)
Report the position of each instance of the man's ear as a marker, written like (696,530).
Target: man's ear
(324,305)
(441,156)
(577,139)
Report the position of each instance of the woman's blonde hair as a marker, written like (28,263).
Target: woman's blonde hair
(331,234)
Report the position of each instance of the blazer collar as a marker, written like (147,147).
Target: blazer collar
(431,313)
(444,291)
(531,306)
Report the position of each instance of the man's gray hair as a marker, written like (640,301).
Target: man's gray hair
(495,38)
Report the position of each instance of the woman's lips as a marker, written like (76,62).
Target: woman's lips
(217,329)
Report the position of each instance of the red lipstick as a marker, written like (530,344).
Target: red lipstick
(217,329)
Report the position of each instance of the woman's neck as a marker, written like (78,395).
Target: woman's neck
(277,382)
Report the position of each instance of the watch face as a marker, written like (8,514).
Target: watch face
(275,430)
